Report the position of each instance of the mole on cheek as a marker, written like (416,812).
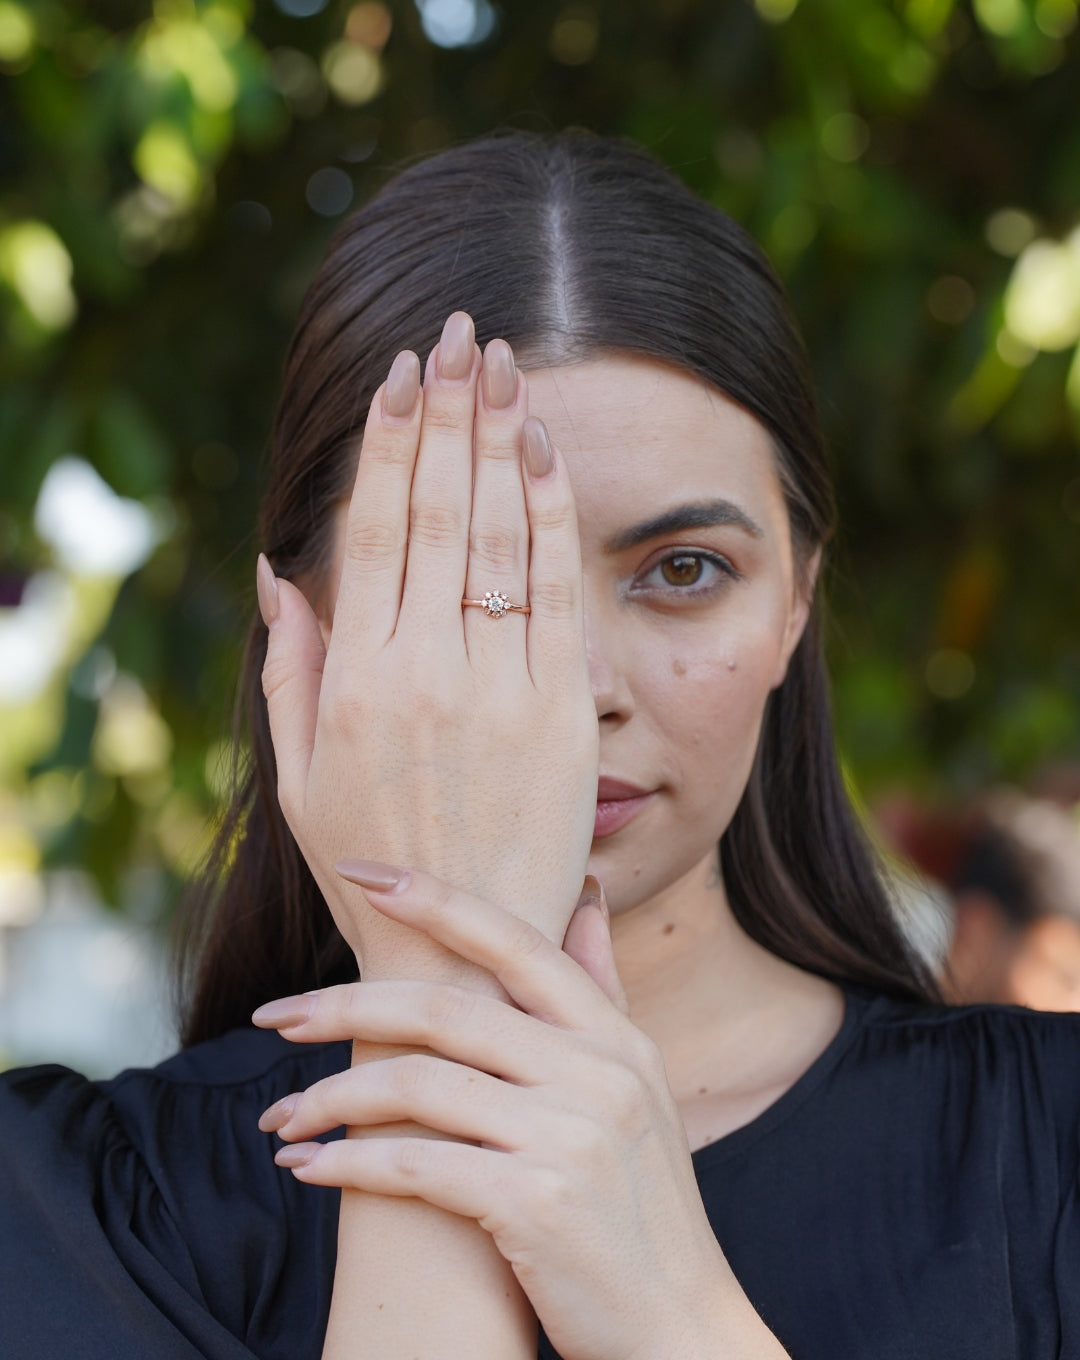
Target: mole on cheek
(678,666)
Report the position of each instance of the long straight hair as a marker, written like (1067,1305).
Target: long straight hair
(566,246)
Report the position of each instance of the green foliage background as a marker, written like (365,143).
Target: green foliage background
(912,167)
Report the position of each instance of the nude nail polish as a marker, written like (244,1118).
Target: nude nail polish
(370,873)
(456,347)
(499,375)
(266,587)
(590,893)
(293,1156)
(290,1010)
(536,448)
(279,1114)
(402,385)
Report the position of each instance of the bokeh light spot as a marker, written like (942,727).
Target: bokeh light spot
(1003,18)
(329,191)
(574,36)
(950,673)
(352,71)
(776,11)
(16,33)
(301,9)
(845,136)
(1009,230)
(369,23)
(35,263)
(165,161)
(1042,300)
(456,23)
(950,299)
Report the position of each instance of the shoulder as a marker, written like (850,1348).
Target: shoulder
(234,1069)
(1018,1067)
(154,1197)
(1021,1038)
(161,1114)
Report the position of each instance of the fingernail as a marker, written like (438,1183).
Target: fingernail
(590,893)
(278,1114)
(266,586)
(290,1010)
(402,385)
(294,1156)
(499,376)
(539,460)
(370,873)
(456,347)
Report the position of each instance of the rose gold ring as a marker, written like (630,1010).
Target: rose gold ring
(495,605)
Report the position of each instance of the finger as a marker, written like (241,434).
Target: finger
(441,499)
(466,1180)
(484,1033)
(291,681)
(499,527)
(588,943)
(377,526)
(536,973)
(440,1095)
(556,633)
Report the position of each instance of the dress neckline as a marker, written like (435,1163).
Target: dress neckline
(729,1144)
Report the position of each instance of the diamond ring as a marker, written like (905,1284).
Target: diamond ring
(495,605)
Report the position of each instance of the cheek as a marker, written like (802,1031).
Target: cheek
(707,700)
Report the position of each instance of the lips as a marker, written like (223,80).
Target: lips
(617,803)
(610,790)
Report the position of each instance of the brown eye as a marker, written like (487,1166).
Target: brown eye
(682,570)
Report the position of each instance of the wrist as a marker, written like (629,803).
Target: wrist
(717,1323)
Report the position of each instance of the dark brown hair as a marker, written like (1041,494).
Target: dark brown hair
(566,246)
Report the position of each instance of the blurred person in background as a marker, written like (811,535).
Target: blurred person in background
(1015,892)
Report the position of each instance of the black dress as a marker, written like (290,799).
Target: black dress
(914,1196)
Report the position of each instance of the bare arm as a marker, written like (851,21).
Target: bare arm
(433,735)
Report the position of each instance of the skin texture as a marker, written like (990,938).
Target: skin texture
(705,1028)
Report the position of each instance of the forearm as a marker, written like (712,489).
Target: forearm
(412,1281)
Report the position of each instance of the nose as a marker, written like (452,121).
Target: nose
(607,670)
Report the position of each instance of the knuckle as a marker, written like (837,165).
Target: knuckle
(435,526)
(372,543)
(622,1087)
(495,546)
(555,518)
(649,1060)
(276,673)
(391,448)
(445,412)
(557,598)
(409,1157)
(525,940)
(449,1008)
(406,1074)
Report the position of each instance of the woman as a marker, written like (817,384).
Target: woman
(732,1124)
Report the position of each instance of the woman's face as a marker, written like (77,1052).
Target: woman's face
(693,603)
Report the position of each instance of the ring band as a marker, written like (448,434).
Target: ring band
(495,605)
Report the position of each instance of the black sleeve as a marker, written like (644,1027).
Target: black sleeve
(145,1217)
(91,1262)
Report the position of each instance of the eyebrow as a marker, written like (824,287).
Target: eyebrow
(694,515)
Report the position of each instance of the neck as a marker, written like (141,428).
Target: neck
(723,1010)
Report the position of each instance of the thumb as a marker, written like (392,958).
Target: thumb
(588,942)
(291,680)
